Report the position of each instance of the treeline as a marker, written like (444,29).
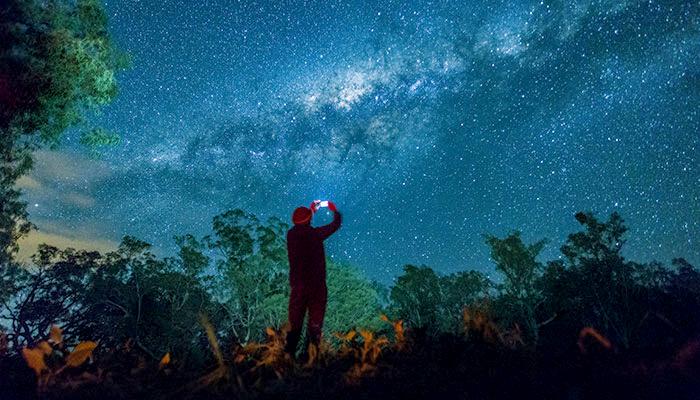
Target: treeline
(238,278)
(638,307)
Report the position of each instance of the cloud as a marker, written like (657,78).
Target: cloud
(67,166)
(26,182)
(61,194)
(78,199)
(28,245)
(63,179)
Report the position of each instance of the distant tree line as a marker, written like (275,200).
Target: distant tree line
(635,305)
(238,278)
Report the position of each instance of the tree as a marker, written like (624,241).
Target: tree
(609,288)
(190,255)
(683,287)
(57,61)
(353,302)
(417,297)
(252,271)
(521,270)
(599,242)
(127,295)
(461,290)
(432,302)
(51,291)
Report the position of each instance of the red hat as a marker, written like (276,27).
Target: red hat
(301,215)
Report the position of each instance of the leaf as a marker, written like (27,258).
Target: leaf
(313,355)
(211,336)
(34,359)
(164,361)
(367,335)
(80,353)
(398,328)
(99,137)
(591,332)
(384,318)
(270,332)
(44,347)
(347,337)
(56,335)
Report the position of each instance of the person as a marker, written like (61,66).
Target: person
(307,275)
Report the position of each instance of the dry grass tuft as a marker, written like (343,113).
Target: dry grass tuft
(589,334)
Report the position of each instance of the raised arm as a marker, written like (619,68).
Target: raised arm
(326,230)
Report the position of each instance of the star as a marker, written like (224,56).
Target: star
(427,125)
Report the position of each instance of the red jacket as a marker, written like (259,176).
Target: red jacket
(307,257)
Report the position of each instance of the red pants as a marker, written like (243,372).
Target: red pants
(302,299)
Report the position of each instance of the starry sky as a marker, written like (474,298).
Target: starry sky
(429,123)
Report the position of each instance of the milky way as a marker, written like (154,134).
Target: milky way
(428,123)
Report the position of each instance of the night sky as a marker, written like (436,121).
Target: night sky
(428,123)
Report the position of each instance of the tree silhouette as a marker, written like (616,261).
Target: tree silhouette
(521,296)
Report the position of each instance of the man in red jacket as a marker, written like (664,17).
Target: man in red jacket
(307,274)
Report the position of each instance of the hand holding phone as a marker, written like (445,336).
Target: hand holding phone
(317,204)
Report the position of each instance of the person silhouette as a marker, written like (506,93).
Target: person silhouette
(307,275)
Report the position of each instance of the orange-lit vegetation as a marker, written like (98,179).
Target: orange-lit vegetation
(50,358)
(247,366)
(252,362)
(587,334)
(356,355)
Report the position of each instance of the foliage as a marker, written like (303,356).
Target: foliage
(417,297)
(353,302)
(424,299)
(147,300)
(127,294)
(251,280)
(57,61)
(51,291)
(596,286)
(50,358)
(520,297)
(238,276)
(366,354)
(191,255)
(399,331)
(98,138)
